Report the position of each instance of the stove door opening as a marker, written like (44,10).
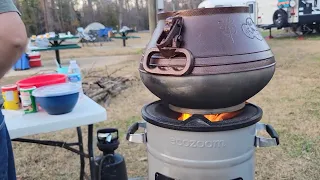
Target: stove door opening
(159,176)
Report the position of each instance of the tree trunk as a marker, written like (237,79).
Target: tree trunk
(152,15)
(196,3)
(45,14)
(60,17)
(120,14)
(48,16)
(138,13)
(91,15)
(175,5)
(57,25)
(127,5)
(137,5)
(190,4)
(73,17)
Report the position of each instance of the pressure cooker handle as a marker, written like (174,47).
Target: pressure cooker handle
(169,70)
(266,142)
(137,138)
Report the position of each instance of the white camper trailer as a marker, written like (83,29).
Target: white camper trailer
(228,3)
(261,11)
(299,15)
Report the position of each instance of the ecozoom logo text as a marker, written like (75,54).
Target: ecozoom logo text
(198,143)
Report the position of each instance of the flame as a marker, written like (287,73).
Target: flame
(212,117)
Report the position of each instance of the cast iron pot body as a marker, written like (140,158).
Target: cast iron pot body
(207,58)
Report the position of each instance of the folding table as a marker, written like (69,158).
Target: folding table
(87,112)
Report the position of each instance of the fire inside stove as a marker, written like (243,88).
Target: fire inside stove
(212,117)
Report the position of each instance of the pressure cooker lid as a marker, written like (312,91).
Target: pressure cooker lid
(209,32)
(56,90)
(159,114)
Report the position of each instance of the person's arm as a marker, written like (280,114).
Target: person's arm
(13,37)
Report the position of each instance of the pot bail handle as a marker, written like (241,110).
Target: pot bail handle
(170,38)
(266,142)
(137,138)
(168,70)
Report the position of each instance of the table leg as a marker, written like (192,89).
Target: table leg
(90,150)
(124,42)
(82,162)
(58,56)
(56,43)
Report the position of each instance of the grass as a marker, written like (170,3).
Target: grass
(291,104)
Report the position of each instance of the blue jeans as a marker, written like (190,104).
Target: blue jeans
(7,169)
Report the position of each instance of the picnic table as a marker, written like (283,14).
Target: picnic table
(56,45)
(124,36)
(86,113)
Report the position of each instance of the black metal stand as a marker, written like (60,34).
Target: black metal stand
(90,150)
(69,146)
(270,35)
(82,162)
(58,56)
(124,39)
(124,42)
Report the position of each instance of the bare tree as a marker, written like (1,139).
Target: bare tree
(190,4)
(45,13)
(41,16)
(152,15)
(196,3)
(127,5)
(138,12)
(120,13)
(90,10)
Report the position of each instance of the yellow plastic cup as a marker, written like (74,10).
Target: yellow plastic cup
(10,96)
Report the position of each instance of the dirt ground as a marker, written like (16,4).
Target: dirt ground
(291,104)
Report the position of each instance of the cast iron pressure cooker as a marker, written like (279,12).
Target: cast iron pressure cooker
(209,58)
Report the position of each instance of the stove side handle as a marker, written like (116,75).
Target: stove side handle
(137,138)
(263,141)
(273,133)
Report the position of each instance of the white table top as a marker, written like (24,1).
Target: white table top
(86,112)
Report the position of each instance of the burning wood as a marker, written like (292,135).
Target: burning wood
(101,86)
(212,117)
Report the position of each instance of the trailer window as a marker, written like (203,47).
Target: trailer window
(250,8)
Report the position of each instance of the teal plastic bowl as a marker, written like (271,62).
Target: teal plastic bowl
(63,70)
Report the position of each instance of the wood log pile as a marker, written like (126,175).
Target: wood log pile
(101,86)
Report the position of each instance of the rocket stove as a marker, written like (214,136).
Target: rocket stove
(204,64)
